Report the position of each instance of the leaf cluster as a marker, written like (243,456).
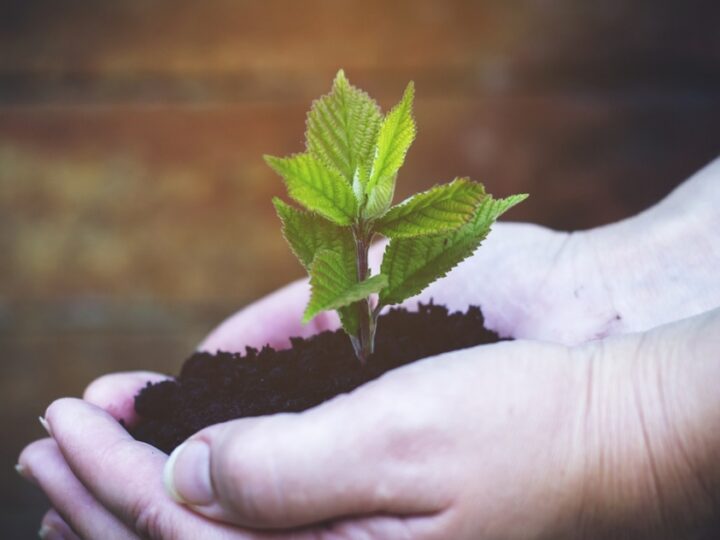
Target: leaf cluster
(345,182)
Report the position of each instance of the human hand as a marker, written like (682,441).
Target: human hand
(515,440)
(535,283)
(531,286)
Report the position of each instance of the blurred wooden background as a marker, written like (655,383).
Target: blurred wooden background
(134,204)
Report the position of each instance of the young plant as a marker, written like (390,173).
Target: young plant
(345,180)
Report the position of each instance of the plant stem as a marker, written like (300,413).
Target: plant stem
(364,343)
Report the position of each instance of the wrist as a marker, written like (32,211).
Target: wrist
(651,437)
(661,265)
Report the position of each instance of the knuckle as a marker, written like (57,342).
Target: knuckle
(57,406)
(352,532)
(91,391)
(149,521)
(370,528)
(245,477)
(407,435)
(37,451)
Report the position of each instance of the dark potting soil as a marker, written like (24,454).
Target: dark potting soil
(214,388)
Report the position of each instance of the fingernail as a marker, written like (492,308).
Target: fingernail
(45,425)
(23,471)
(46,532)
(187,474)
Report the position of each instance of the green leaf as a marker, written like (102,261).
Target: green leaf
(308,233)
(380,198)
(440,209)
(411,264)
(316,187)
(397,133)
(350,318)
(342,127)
(333,280)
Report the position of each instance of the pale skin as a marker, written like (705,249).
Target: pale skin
(602,420)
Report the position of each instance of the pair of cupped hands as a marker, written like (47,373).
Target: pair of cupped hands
(601,419)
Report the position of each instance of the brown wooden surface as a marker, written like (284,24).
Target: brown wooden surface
(134,204)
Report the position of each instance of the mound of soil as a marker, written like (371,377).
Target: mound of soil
(214,388)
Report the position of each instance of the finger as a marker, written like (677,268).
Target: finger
(297,469)
(125,476)
(273,320)
(44,462)
(115,393)
(115,471)
(53,526)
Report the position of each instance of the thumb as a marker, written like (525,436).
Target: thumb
(290,470)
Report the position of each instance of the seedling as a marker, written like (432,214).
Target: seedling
(345,180)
